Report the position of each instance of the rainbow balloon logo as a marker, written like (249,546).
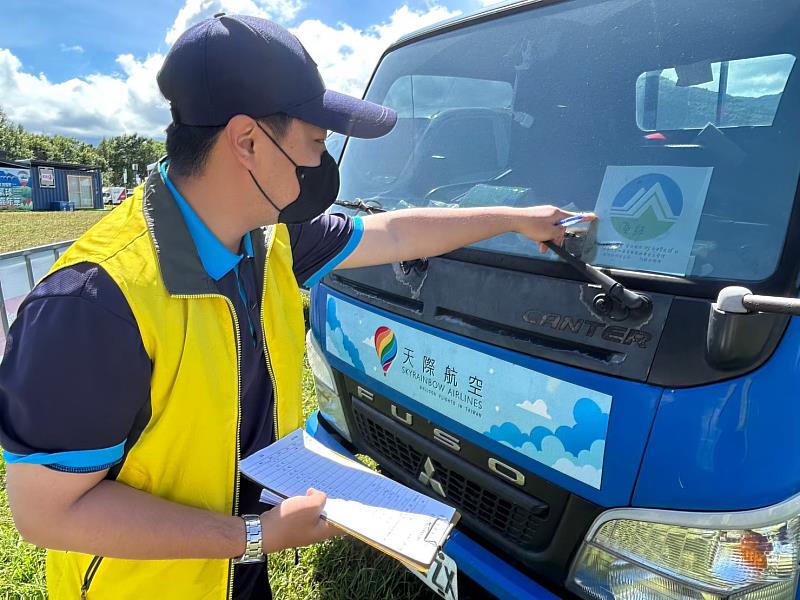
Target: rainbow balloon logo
(385,347)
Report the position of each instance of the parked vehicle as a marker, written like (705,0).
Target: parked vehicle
(619,432)
(114,195)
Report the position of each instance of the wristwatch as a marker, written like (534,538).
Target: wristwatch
(254,550)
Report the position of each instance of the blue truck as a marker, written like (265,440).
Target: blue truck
(618,418)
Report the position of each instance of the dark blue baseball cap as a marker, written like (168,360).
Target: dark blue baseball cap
(238,65)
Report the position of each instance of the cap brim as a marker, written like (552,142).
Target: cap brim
(346,115)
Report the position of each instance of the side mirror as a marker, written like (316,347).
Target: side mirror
(740,323)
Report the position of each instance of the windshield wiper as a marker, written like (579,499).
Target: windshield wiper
(617,302)
(359,204)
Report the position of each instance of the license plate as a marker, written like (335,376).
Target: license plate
(442,577)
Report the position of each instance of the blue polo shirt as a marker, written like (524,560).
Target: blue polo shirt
(75,378)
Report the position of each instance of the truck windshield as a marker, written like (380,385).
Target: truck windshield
(677,122)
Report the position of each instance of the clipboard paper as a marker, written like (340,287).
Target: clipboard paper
(381,512)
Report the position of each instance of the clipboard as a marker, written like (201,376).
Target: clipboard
(396,520)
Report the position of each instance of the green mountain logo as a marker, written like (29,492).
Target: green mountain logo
(647,207)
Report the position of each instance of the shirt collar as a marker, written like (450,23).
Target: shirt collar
(217,260)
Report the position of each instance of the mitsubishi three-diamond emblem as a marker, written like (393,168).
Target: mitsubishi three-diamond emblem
(426,477)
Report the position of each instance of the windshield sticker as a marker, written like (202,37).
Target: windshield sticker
(648,217)
(554,422)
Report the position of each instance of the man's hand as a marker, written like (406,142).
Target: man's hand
(296,522)
(540,223)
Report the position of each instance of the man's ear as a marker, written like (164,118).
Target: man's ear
(241,137)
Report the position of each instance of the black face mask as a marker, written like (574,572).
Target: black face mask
(319,187)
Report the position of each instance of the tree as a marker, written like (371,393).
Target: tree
(113,155)
(13,139)
(122,151)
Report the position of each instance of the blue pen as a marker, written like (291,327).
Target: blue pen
(571,220)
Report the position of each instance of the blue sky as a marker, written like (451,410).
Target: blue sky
(87,67)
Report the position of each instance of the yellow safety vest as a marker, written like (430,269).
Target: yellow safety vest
(188,448)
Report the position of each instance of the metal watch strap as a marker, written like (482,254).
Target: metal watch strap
(254,550)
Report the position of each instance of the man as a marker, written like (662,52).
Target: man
(168,341)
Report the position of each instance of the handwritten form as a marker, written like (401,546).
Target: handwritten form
(359,499)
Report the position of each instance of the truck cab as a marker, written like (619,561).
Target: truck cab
(596,446)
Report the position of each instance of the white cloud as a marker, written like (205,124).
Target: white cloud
(130,102)
(95,105)
(538,408)
(76,48)
(346,56)
(369,341)
(195,11)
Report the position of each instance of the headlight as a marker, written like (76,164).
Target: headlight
(660,555)
(329,403)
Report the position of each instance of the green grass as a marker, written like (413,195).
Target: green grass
(339,569)
(24,229)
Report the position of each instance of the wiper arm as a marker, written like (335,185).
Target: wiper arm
(359,204)
(618,302)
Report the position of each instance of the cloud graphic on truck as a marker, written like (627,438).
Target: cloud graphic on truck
(575,450)
(538,408)
(343,344)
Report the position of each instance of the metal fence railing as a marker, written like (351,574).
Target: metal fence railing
(19,272)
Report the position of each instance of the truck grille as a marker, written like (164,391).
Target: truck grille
(512,521)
